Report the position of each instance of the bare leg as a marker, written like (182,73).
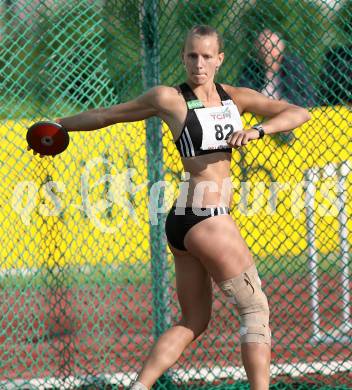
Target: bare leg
(226,255)
(256,361)
(194,293)
(165,353)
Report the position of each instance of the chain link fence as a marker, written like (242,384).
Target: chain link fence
(86,279)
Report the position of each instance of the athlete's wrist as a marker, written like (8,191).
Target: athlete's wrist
(260,129)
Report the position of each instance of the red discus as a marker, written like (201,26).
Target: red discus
(47,138)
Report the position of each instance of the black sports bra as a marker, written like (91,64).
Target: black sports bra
(206,129)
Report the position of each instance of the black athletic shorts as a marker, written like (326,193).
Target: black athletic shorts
(180,220)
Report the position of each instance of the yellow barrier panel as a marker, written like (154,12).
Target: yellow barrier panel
(110,165)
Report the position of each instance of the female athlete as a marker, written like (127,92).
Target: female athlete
(204,118)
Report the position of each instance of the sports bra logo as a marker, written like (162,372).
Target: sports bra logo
(194,104)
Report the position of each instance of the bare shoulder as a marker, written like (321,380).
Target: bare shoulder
(162,94)
(239,95)
(249,100)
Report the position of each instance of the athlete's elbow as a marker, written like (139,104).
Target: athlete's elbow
(305,114)
(301,115)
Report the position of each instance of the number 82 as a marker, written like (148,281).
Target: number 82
(219,131)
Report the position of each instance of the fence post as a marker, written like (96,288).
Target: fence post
(151,71)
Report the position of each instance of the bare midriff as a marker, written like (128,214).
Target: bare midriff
(209,183)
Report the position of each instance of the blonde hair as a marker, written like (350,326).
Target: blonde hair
(204,30)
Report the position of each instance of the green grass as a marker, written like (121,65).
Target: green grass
(122,275)
(299,265)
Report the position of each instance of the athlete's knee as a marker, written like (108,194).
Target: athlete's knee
(245,291)
(197,326)
(242,257)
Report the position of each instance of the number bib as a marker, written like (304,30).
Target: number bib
(218,123)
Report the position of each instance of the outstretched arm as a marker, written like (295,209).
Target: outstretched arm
(141,108)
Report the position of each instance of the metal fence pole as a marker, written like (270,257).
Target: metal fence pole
(154,146)
(151,70)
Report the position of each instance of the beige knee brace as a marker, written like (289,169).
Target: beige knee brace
(245,291)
